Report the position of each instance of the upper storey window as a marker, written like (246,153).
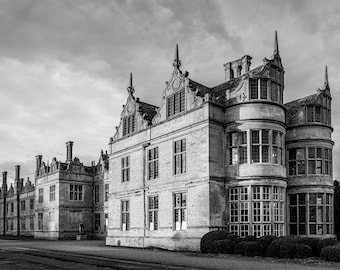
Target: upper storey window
(176,103)
(319,113)
(265,89)
(129,124)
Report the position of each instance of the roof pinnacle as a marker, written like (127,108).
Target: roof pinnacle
(326,84)
(131,89)
(276,44)
(177,61)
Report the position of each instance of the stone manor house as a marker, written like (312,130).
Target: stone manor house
(231,157)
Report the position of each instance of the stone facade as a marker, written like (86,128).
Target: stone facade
(220,158)
(66,196)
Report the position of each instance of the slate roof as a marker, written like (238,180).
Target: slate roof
(293,107)
(148,109)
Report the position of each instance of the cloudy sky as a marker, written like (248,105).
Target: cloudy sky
(64,65)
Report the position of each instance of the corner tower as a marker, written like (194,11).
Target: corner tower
(255,166)
(309,164)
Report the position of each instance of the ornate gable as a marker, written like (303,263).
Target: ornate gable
(134,116)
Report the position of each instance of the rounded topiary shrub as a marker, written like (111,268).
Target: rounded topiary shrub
(209,238)
(264,243)
(233,237)
(303,251)
(311,242)
(240,247)
(273,249)
(252,249)
(331,253)
(225,246)
(325,243)
(249,238)
(287,250)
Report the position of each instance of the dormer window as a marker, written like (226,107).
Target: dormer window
(176,103)
(318,114)
(129,124)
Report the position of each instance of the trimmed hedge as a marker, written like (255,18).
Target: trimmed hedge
(207,241)
(240,247)
(295,250)
(325,243)
(311,242)
(273,249)
(252,249)
(225,246)
(264,243)
(331,253)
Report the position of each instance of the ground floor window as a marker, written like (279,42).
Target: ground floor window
(23,223)
(31,223)
(97,222)
(125,215)
(310,213)
(180,210)
(40,221)
(256,210)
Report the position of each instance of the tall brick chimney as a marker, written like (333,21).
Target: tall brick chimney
(69,146)
(17,172)
(38,159)
(4,178)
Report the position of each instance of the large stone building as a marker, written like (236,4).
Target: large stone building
(67,199)
(231,157)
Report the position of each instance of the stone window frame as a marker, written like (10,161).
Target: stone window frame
(260,200)
(96,193)
(23,223)
(304,160)
(40,221)
(106,192)
(175,103)
(309,209)
(125,215)
(23,205)
(129,124)
(52,193)
(31,204)
(76,192)
(41,195)
(97,222)
(319,113)
(238,147)
(153,216)
(180,211)
(180,156)
(265,89)
(31,223)
(125,163)
(153,165)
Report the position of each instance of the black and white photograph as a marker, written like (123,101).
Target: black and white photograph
(169,134)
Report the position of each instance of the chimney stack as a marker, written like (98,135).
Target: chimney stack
(69,151)
(38,159)
(17,172)
(4,178)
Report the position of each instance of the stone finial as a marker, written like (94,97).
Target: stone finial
(276,44)
(326,84)
(131,89)
(177,61)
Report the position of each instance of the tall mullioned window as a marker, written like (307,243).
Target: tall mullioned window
(52,193)
(153,163)
(125,215)
(41,195)
(129,124)
(153,213)
(256,210)
(310,160)
(180,156)
(176,103)
(96,193)
(319,113)
(180,211)
(106,195)
(40,221)
(266,146)
(310,213)
(237,144)
(125,169)
(76,192)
